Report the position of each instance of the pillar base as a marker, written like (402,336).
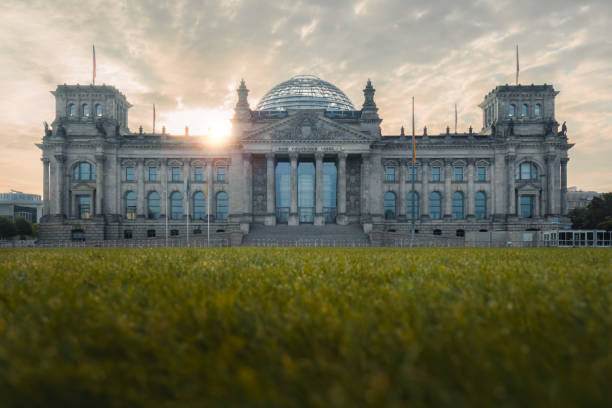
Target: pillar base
(270,220)
(342,219)
(293,219)
(319,220)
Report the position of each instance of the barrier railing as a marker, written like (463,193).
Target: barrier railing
(125,243)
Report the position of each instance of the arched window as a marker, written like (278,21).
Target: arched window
(72,110)
(199,206)
(412,201)
(222,205)
(389,200)
(85,111)
(457,205)
(83,171)
(524,110)
(527,171)
(98,110)
(512,110)
(131,201)
(153,205)
(538,109)
(435,205)
(176,206)
(480,205)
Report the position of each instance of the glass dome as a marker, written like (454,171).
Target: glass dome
(305,92)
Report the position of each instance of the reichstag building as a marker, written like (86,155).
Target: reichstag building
(304,155)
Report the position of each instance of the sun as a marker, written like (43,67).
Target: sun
(213,123)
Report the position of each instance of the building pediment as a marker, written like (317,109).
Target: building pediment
(306,126)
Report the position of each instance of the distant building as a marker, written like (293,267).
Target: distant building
(17,204)
(578,198)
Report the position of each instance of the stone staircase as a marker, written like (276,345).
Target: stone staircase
(306,235)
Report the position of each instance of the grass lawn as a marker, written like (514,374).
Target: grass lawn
(305,327)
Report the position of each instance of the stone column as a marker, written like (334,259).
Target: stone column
(187,196)
(247,171)
(341,192)
(448,193)
(45,162)
(424,198)
(511,203)
(470,189)
(270,192)
(403,172)
(140,190)
(318,219)
(100,184)
(550,186)
(164,188)
(564,185)
(293,211)
(59,184)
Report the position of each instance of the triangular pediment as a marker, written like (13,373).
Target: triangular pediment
(305,126)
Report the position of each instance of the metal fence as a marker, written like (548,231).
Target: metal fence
(125,243)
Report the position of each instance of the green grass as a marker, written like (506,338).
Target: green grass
(305,327)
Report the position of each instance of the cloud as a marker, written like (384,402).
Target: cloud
(442,53)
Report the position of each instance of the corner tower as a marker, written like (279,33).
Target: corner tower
(89,111)
(521,110)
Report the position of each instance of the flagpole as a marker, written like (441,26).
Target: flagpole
(412,176)
(153,118)
(188,199)
(166,215)
(517,64)
(207,215)
(455,118)
(94,65)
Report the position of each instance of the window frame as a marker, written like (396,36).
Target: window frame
(176,205)
(436,177)
(458,173)
(390,173)
(131,197)
(435,197)
(387,208)
(512,110)
(152,215)
(175,173)
(455,206)
(98,110)
(484,169)
(221,174)
(130,173)
(198,173)
(480,205)
(222,215)
(524,110)
(85,110)
(153,171)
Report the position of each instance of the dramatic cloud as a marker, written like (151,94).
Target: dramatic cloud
(187,57)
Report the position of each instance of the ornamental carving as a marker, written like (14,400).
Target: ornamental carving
(353,186)
(259,172)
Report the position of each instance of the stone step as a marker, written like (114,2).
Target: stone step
(305,234)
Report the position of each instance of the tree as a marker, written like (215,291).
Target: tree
(596,215)
(7,228)
(23,226)
(35,229)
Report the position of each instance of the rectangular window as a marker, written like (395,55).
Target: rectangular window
(83,206)
(482,174)
(174,232)
(526,206)
(221,171)
(151,233)
(198,174)
(458,173)
(435,174)
(413,172)
(389,173)
(152,173)
(127,234)
(176,174)
(129,173)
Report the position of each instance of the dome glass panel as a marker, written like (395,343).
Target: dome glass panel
(305,92)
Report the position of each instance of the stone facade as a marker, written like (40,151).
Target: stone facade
(510,176)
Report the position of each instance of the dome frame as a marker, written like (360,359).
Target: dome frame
(305,92)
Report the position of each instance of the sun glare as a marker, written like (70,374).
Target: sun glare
(201,122)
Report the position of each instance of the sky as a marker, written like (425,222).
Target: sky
(188,57)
